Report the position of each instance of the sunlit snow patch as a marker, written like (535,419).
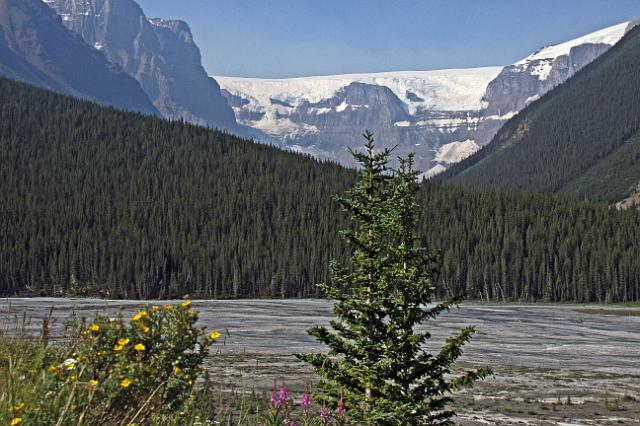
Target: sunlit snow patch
(610,36)
(437,169)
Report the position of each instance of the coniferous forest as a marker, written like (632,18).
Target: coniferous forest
(96,201)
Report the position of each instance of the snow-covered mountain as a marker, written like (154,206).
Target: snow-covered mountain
(418,111)
(443,116)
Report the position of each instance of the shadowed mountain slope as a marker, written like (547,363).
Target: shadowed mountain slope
(35,47)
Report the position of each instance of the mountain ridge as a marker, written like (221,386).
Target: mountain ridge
(160,54)
(97,201)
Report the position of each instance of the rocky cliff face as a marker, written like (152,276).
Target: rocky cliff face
(36,48)
(442,116)
(160,54)
(631,202)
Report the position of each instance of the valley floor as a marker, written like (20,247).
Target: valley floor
(554,364)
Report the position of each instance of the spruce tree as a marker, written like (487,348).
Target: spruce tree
(377,367)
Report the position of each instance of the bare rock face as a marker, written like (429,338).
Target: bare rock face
(36,48)
(631,202)
(356,106)
(160,54)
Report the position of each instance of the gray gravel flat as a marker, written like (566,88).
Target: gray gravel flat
(548,336)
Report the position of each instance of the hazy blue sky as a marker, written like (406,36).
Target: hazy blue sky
(284,38)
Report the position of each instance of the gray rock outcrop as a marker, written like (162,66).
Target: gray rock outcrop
(36,48)
(160,54)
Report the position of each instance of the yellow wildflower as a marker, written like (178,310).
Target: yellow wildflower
(139,315)
(125,383)
(155,308)
(52,369)
(144,328)
(123,341)
(177,371)
(118,348)
(16,421)
(73,378)
(186,303)
(139,347)
(19,406)
(94,327)
(168,307)
(214,335)
(93,383)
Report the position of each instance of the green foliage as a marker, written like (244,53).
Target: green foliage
(377,366)
(561,137)
(531,247)
(110,372)
(95,201)
(611,179)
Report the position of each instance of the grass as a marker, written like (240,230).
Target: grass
(631,304)
(614,312)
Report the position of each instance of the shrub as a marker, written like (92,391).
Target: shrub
(110,371)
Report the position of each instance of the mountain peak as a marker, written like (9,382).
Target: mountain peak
(159,53)
(38,49)
(609,36)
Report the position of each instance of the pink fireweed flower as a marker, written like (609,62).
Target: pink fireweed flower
(325,415)
(341,410)
(305,401)
(284,393)
(274,402)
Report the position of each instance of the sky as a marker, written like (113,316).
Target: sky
(291,38)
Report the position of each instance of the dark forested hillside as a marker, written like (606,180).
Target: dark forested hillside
(518,246)
(98,201)
(133,206)
(581,138)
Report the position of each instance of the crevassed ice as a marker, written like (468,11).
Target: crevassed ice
(443,90)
